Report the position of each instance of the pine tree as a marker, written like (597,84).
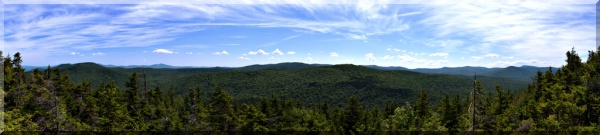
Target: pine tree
(113,115)
(390,107)
(10,84)
(477,107)
(352,114)
(449,114)
(133,96)
(221,110)
(421,110)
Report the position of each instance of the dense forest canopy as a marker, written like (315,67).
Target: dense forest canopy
(334,83)
(277,100)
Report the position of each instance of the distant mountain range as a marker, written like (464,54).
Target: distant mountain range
(313,82)
(151,66)
(517,73)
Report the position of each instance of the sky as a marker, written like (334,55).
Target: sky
(230,34)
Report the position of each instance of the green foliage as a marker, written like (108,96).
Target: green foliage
(221,110)
(567,99)
(421,110)
(333,84)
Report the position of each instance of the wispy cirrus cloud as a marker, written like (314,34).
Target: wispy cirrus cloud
(477,58)
(532,62)
(45,30)
(98,54)
(280,41)
(493,55)
(411,59)
(524,29)
(354,21)
(439,54)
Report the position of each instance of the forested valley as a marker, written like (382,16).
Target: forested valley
(344,99)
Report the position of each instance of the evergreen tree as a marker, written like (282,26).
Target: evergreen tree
(113,116)
(390,107)
(421,110)
(449,114)
(221,110)
(477,108)
(134,100)
(352,115)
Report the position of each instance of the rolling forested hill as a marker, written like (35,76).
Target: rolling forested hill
(296,80)
(310,98)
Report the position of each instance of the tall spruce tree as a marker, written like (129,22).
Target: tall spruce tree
(221,110)
(421,109)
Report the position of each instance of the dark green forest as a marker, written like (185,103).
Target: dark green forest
(333,84)
(341,98)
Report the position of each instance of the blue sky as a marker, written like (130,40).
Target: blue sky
(363,33)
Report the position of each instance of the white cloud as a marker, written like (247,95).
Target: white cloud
(447,45)
(163,51)
(388,57)
(49,30)
(533,62)
(259,52)
(476,58)
(98,54)
(519,29)
(410,13)
(370,56)
(280,41)
(190,53)
(221,53)
(365,20)
(511,57)
(334,54)
(491,55)
(439,54)
(309,59)
(408,58)
(273,58)
(231,44)
(292,52)
(398,50)
(77,53)
(244,58)
(277,51)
